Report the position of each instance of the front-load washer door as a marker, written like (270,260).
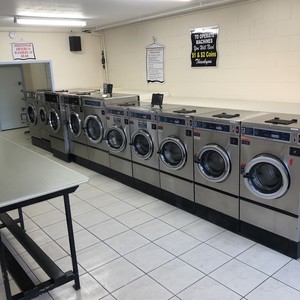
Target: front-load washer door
(54,120)
(266,177)
(142,144)
(94,129)
(115,139)
(43,115)
(75,124)
(213,163)
(172,153)
(31,114)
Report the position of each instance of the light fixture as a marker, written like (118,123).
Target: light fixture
(50,22)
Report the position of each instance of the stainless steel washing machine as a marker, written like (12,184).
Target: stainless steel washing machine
(58,132)
(144,147)
(217,165)
(269,181)
(175,140)
(117,99)
(44,121)
(117,138)
(94,126)
(32,117)
(77,136)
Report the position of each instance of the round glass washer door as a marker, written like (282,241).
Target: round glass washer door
(213,163)
(266,177)
(115,139)
(172,153)
(142,144)
(54,121)
(43,115)
(31,114)
(94,129)
(75,124)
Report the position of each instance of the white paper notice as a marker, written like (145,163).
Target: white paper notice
(155,63)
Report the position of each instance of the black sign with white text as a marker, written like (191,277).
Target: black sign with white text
(204,47)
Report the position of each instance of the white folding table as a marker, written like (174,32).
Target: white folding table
(27,178)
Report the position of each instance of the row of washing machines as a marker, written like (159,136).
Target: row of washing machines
(238,169)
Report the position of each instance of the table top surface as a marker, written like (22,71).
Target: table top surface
(25,174)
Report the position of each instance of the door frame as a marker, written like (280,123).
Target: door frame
(20,63)
(14,63)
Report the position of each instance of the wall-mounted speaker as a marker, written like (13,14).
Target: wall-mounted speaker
(75,43)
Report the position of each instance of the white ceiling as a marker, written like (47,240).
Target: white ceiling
(100,13)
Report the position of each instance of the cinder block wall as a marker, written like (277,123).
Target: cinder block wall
(258,53)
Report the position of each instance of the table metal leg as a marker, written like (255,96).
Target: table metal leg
(71,241)
(4,271)
(21,218)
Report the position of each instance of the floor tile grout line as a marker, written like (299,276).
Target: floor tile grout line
(90,274)
(236,257)
(257,286)
(284,283)
(47,201)
(225,286)
(205,275)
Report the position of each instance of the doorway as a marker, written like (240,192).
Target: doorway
(11,103)
(14,79)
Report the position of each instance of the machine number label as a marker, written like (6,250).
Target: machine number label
(142,124)
(245,141)
(197,134)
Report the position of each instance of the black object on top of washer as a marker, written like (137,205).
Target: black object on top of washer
(157,99)
(126,104)
(82,93)
(60,91)
(279,121)
(185,111)
(224,115)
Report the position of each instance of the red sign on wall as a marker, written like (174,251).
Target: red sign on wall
(23,51)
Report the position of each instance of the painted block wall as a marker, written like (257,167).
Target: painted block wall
(258,53)
(70,69)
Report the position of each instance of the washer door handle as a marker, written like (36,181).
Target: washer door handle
(247,175)
(196,160)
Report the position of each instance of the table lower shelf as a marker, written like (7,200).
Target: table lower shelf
(10,265)
(27,287)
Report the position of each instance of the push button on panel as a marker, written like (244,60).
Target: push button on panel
(234,141)
(294,151)
(188,132)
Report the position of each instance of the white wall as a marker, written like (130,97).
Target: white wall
(258,53)
(70,69)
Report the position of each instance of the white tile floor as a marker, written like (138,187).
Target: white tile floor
(133,246)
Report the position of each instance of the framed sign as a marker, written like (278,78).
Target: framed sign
(155,63)
(204,46)
(22,51)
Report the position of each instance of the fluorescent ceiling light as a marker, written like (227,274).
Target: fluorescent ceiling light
(50,22)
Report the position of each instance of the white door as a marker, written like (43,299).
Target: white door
(11,97)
